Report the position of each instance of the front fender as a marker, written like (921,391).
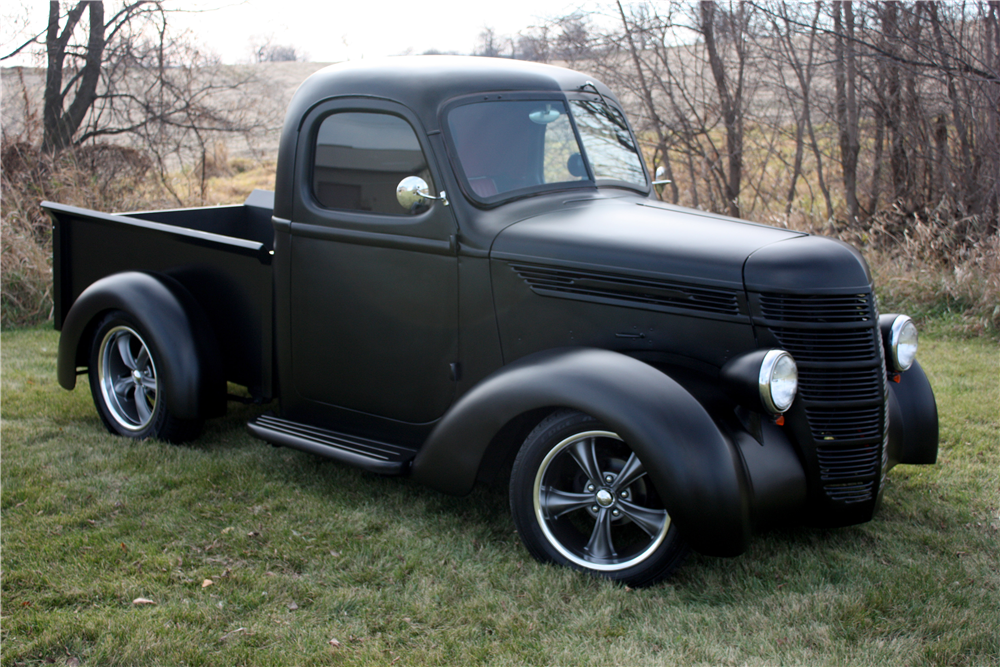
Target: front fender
(694,467)
(193,379)
(913,419)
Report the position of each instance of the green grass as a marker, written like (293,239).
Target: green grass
(302,550)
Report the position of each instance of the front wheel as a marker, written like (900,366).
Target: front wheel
(581,497)
(127,385)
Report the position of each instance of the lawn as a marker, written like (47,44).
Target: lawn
(248,554)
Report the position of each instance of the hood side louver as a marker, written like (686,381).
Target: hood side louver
(633,291)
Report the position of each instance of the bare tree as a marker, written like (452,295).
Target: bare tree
(127,75)
(535,43)
(788,28)
(264,50)
(729,82)
(61,123)
(493,45)
(127,78)
(846,101)
(878,105)
(661,155)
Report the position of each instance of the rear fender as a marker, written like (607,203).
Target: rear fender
(194,382)
(694,467)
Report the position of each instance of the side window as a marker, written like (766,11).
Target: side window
(360,158)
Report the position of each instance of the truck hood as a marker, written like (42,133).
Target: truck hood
(639,237)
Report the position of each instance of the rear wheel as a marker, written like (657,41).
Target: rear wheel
(581,497)
(127,386)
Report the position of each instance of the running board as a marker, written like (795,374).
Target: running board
(371,455)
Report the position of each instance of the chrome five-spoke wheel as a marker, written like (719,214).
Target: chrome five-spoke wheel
(591,504)
(127,381)
(127,377)
(588,495)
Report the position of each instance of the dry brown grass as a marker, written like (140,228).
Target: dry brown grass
(99,176)
(103,177)
(933,264)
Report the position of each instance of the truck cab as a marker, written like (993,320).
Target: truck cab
(469,268)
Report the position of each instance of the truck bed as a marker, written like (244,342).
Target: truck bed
(221,254)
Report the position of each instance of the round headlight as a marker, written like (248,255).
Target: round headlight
(903,342)
(778,381)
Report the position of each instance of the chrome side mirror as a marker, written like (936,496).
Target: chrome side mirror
(660,181)
(413,192)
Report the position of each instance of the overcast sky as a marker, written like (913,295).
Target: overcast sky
(335,31)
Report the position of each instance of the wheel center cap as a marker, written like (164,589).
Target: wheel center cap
(137,376)
(604,498)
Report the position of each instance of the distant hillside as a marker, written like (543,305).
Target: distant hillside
(269,89)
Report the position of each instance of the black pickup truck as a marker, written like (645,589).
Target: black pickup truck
(463,265)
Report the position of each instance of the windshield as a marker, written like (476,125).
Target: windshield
(508,146)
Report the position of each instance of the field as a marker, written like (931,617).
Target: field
(231,552)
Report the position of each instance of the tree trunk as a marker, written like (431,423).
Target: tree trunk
(730,102)
(59,124)
(876,184)
(958,115)
(845,76)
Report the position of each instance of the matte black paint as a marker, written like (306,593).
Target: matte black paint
(779,487)
(378,457)
(446,332)
(694,467)
(807,265)
(373,298)
(913,419)
(229,276)
(701,249)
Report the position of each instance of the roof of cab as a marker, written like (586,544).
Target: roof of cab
(421,83)
(424,83)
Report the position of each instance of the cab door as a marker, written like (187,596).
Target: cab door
(373,287)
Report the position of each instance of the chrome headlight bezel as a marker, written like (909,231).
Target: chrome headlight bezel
(903,343)
(777,381)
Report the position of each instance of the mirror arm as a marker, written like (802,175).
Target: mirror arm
(443,197)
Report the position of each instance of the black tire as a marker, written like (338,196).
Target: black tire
(580,497)
(127,386)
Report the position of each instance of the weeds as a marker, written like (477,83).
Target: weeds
(931,264)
